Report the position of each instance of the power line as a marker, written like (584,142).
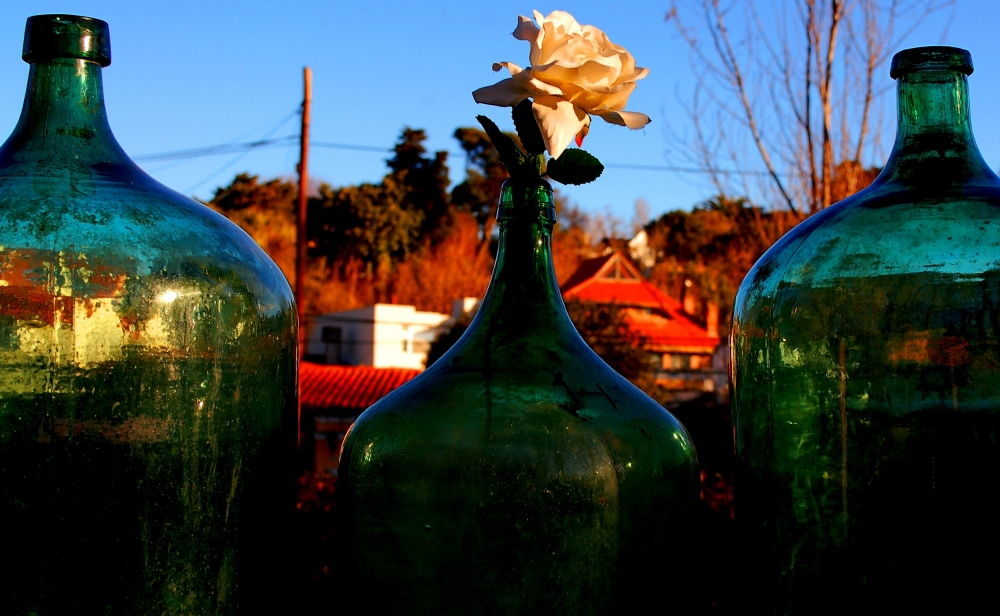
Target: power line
(233,148)
(683,169)
(348,146)
(239,156)
(217,150)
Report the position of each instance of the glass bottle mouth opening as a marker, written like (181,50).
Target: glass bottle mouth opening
(526,201)
(924,59)
(66,36)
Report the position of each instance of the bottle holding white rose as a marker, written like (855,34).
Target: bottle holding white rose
(520,474)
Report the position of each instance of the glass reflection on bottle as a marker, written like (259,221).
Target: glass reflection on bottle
(147,397)
(867,377)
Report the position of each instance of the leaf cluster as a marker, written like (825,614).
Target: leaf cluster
(395,240)
(527,159)
(367,221)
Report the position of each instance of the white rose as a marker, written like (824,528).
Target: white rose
(575,71)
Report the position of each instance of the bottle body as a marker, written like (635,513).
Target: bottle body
(147,404)
(866,382)
(518,474)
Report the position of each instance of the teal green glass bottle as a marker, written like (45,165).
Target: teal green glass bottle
(866,378)
(519,474)
(147,389)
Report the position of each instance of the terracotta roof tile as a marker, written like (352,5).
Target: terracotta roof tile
(587,270)
(667,326)
(347,388)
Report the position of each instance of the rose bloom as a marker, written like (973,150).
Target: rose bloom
(575,71)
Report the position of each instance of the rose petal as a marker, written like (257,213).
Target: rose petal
(559,121)
(589,75)
(561,20)
(536,86)
(595,99)
(510,66)
(631,119)
(601,72)
(506,93)
(526,30)
(640,73)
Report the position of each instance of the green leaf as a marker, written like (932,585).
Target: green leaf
(527,128)
(510,154)
(574,167)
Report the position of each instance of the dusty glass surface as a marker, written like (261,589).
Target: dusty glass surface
(519,474)
(147,389)
(866,377)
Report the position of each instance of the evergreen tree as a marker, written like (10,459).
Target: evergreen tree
(423,180)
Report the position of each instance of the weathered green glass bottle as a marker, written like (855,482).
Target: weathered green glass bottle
(866,380)
(519,474)
(147,389)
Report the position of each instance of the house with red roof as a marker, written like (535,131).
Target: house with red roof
(355,357)
(332,397)
(686,348)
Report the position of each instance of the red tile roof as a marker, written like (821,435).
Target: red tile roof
(612,279)
(347,389)
(587,270)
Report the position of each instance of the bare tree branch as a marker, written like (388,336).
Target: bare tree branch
(793,89)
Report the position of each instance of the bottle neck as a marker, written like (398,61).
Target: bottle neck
(523,291)
(934,140)
(64,113)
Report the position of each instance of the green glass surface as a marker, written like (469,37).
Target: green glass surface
(519,474)
(147,388)
(866,378)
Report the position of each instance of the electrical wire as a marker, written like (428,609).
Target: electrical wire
(259,143)
(242,148)
(218,150)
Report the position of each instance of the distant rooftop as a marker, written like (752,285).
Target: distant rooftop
(612,279)
(347,390)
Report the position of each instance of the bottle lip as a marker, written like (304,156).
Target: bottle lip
(538,191)
(66,36)
(938,58)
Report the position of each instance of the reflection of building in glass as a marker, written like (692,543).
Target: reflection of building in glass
(74,309)
(690,356)
(56,308)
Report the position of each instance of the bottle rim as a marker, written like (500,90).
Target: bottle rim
(66,36)
(937,58)
(539,191)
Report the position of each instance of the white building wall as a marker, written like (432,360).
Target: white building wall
(382,336)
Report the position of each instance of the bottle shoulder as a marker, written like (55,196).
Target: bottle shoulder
(576,395)
(882,233)
(127,216)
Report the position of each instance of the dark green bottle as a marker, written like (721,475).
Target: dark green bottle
(519,474)
(866,378)
(147,390)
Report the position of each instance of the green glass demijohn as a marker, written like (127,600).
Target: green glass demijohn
(519,474)
(866,379)
(147,388)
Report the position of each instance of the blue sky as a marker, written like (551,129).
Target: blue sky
(187,74)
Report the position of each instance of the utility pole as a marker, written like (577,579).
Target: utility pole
(300,235)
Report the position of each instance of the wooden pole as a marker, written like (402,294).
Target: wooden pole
(300,235)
